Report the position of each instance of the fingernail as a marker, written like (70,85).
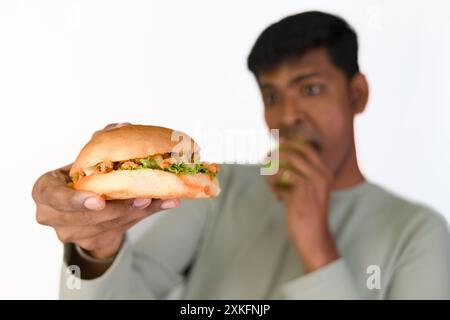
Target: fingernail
(93,204)
(122,124)
(169,204)
(141,203)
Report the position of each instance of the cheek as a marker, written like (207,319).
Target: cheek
(335,123)
(336,116)
(336,128)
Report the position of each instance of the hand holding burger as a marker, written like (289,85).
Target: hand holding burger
(75,204)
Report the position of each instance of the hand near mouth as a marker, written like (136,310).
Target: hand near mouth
(303,184)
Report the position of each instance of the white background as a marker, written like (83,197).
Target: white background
(67,68)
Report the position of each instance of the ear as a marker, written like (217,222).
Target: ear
(359,93)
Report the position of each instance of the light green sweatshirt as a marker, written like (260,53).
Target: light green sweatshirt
(238,248)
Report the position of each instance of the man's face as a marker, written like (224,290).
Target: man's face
(309,98)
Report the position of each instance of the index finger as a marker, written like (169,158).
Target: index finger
(51,189)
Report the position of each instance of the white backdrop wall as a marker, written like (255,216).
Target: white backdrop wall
(67,68)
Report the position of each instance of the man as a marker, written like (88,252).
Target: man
(317,229)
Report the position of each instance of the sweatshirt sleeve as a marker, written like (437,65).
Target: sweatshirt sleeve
(333,281)
(150,266)
(423,269)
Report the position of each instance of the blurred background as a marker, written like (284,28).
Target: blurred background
(68,68)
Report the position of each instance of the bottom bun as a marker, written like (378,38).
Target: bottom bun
(149,183)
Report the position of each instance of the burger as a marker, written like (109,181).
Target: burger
(141,161)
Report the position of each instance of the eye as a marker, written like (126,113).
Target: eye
(311,90)
(270,98)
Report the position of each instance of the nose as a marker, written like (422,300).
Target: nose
(292,114)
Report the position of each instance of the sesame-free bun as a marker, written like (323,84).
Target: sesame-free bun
(140,141)
(130,142)
(149,183)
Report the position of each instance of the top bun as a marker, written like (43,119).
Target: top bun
(131,142)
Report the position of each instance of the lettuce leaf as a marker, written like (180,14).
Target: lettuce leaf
(177,168)
(149,163)
(180,168)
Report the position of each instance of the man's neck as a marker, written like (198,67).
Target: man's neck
(349,174)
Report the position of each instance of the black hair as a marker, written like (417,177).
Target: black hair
(295,35)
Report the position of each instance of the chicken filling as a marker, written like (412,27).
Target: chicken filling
(163,162)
